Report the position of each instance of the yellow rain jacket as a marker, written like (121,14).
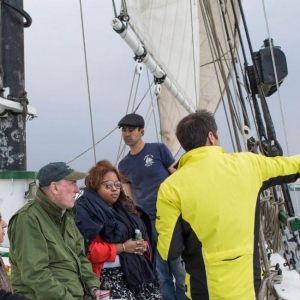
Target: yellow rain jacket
(208,212)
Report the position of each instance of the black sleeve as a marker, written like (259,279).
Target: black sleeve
(177,242)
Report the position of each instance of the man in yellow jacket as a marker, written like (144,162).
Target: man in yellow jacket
(208,211)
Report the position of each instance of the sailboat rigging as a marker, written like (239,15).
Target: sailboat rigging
(262,78)
(198,52)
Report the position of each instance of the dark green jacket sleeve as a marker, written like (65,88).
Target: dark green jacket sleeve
(30,253)
(88,276)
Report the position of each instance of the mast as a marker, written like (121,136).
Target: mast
(13,125)
(15,180)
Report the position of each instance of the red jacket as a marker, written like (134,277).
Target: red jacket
(101,252)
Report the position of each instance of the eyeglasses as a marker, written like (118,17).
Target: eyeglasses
(109,184)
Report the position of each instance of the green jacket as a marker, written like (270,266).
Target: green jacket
(47,253)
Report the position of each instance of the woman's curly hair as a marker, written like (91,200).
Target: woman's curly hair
(95,177)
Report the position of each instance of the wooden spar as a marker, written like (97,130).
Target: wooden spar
(155,69)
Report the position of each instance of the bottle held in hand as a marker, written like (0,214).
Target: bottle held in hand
(105,290)
(137,235)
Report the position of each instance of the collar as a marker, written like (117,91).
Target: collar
(50,207)
(133,153)
(198,153)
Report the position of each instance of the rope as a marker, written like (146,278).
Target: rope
(257,144)
(88,82)
(103,138)
(241,109)
(136,90)
(92,147)
(279,95)
(114,7)
(269,219)
(233,58)
(271,277)
(205,13)
(193,43)
(141,101)
(121,152)
(268,285)
(153,105)
(276,78)
(278,90)
(150,110)
(122,146)
(219,53)
(23,102)
(124,11)
(238,108)
(127,109)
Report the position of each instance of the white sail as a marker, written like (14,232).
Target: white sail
(175,34)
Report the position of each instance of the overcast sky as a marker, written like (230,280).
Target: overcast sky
(56,81)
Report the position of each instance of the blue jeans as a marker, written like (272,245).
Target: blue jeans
(171,277)
(171,274)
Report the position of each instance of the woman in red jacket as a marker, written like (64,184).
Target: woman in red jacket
(107,219)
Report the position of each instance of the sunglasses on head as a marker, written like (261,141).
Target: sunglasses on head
(109,184)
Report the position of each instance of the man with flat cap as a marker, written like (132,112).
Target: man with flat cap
(147,165)
(46,249)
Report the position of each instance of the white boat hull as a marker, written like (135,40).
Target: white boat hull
(13,193)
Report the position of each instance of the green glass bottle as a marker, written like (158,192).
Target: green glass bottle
(137,235)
